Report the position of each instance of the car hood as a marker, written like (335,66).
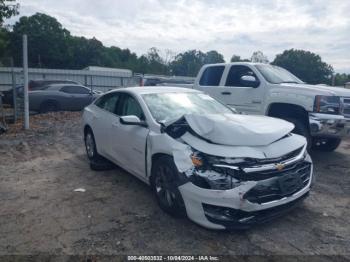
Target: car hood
(231,129)
(331,90)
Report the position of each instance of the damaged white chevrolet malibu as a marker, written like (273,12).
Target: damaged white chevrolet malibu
(221,169)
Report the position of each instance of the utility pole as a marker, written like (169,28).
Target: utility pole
(14,92)
(25,72)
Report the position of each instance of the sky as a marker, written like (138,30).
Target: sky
(228,26)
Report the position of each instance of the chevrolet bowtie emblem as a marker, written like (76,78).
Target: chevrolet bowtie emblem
(279,167)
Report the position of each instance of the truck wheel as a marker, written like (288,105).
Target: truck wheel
(327,144)
(301,129)
(163,181)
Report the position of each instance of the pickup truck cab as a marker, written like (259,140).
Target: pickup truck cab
(320,113)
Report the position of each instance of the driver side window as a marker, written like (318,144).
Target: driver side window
(131,106)
(235,74)
(108,102)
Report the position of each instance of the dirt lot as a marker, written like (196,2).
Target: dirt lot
(40,213)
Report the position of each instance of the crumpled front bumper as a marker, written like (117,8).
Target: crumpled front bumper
(326,125)
(199,202)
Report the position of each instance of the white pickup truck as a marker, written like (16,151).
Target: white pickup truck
(320,113)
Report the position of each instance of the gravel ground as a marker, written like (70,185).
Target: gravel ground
(41,214)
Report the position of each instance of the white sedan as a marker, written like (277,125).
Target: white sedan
(221,169)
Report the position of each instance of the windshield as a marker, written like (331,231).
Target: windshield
(171,106)
(277,75)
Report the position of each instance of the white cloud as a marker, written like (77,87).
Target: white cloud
(229,26)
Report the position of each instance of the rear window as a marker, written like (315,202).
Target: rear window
(212,76)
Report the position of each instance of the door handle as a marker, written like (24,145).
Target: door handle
(226,93)
(115,124)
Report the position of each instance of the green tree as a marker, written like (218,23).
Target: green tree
(52,46)
(82,52)
(237,58)
(187,63)
(8,8)
(341,79)
(156,64)
(47,41)
(306,65)
(190,62)
(259,57)
(4,42)
(213,57)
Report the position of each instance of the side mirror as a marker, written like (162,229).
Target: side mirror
(132,121)
(249,81)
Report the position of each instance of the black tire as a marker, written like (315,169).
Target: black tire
(97,162)
(49,106)
(301,129)
(164,182)
(326,144)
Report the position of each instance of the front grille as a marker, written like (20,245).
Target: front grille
(279,184)
(249,162)
(280,159)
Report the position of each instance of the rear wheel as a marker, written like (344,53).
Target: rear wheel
(165,187)
(326,144)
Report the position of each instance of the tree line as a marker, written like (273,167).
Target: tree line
(52,46)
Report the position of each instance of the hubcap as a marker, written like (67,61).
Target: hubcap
(163,186)
(90,145)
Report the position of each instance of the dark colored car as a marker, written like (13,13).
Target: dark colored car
(32,85)
(39,84)
(61,97)
(8,95)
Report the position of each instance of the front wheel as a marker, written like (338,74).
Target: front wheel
(165,187)
(326,144)
(90,146)
(97,162)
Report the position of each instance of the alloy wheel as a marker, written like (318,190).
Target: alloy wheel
(90,145)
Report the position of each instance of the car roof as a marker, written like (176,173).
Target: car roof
(155,90)
(235,63)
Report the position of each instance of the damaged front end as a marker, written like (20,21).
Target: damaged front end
(235,186)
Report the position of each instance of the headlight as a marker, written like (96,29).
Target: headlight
(211,176)
(327,105)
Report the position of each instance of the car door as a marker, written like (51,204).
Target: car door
(246,97)
(128,142)
(210,81)
(224,84)
(103,118)
(77,97)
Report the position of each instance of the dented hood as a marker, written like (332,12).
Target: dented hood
(233,129)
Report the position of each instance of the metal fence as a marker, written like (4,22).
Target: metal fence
(96,79)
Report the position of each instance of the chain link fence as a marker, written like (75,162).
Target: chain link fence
(95,78)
